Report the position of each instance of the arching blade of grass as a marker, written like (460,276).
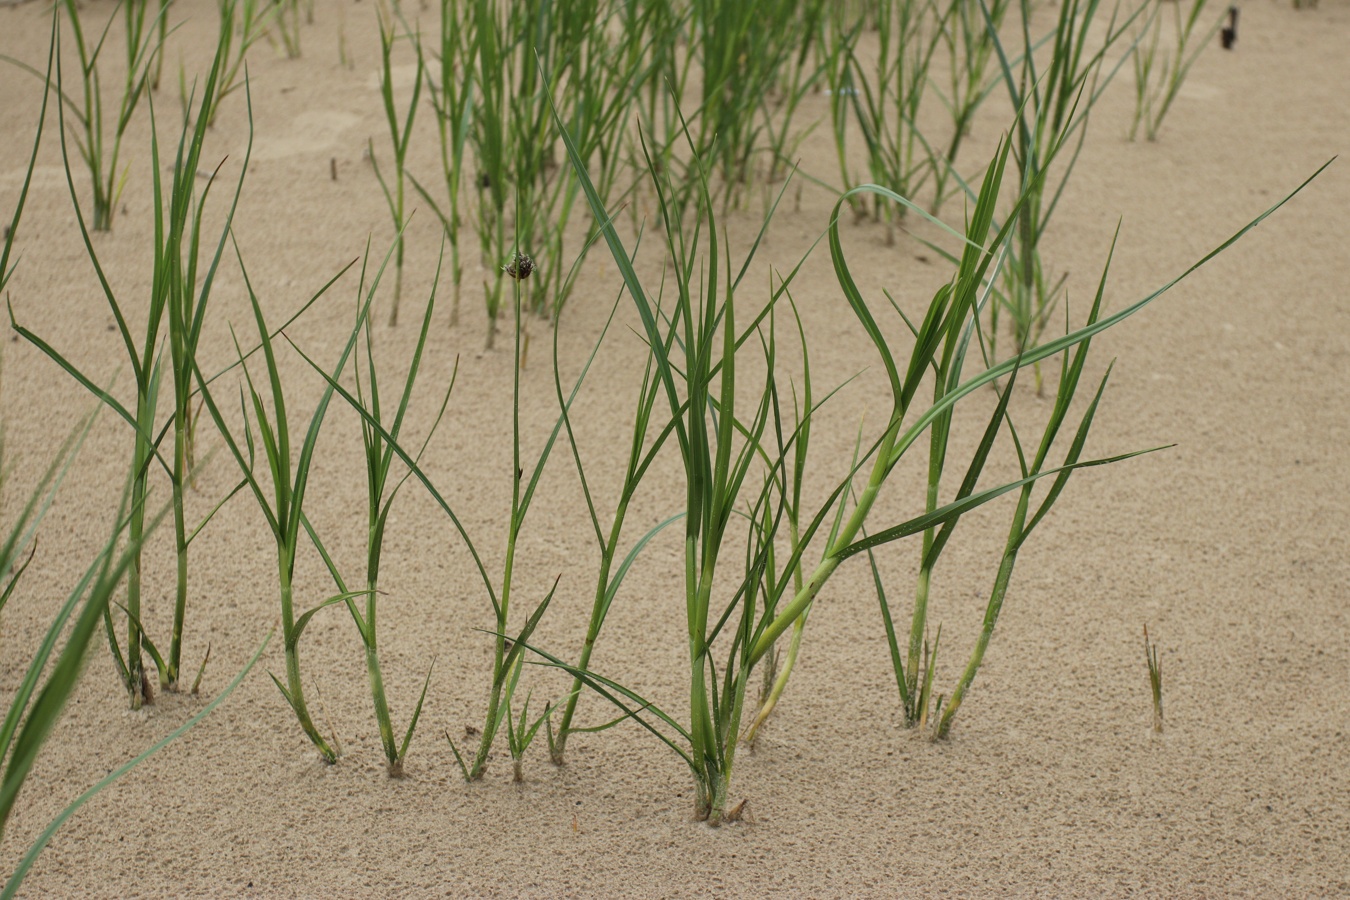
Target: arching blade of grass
(12,232)
(40,710)
(21,871)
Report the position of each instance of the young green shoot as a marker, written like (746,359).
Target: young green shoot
(175,296)
(289,480)
(381,489)
(450,87)
(400,134)
(1154,680)
(1160,71)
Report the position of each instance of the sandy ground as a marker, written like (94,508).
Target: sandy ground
(1231,546)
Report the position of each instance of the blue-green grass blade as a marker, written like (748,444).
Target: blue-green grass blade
(518,644)
(897,661)
(613,589)
(5,269)
(303,620)
(960,507)
(973,471)
(1075,450)
(16,879)
(604,686)
(146,643)
(101,581)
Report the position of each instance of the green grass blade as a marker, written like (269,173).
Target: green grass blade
(20,871)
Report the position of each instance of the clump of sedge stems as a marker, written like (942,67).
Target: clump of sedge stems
(508,656)
(178,302)
(100,150)
(1051,107)
(451,90)
(37,705)
(718,448)
(380,494)
(400,134)
(1160,71)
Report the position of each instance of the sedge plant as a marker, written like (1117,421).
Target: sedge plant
(1052,106)
(449,84)
(381,489)
(716,446)
(886,105)
(643,449)
(99,148)
(179,296)
(969,48)
(508,656)
(1160,71)
(282,500)
(242,24)
(914,676)
(400,134)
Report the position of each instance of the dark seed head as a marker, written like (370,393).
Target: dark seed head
(519,268)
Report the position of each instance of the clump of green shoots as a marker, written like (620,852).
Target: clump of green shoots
(742,50)
(400,133)
(286,15)
(969,44)
(178,302)
(381,491)
(450,86)
(524,198)
(1154,680)
(1051,107)
(100,150)
(1160,71)
(242,24)
(694,350)
(508,657)
(887,105)
(284,508)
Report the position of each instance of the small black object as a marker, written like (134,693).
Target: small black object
(519,268)
(484,181)
(1228,36)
